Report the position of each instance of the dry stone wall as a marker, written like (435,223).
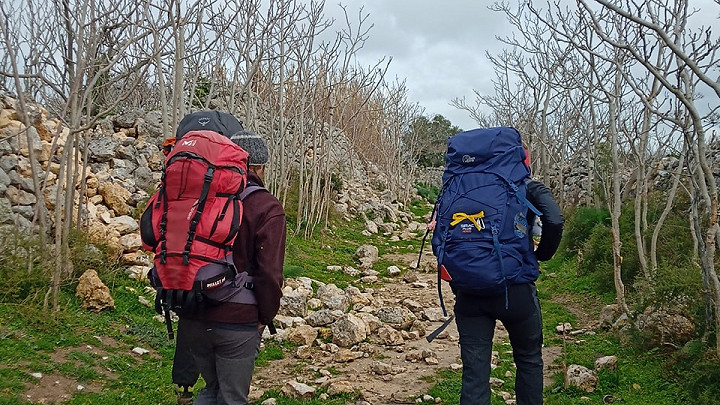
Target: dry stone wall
(124,166)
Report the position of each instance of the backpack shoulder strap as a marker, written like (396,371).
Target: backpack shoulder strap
(251,188)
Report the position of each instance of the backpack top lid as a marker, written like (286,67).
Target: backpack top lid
(209,120)
(496,150)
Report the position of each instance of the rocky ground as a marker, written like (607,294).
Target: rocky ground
(397,373)
(393,364)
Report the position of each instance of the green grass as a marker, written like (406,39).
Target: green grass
(31,339)
(332,400)
(273,351)
(641,377)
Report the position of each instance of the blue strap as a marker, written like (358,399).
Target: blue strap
(520,198)
(498,247)
(442,327)
(524,200)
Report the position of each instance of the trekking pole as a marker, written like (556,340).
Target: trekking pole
(422,246)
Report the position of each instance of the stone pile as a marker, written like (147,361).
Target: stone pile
(332,326)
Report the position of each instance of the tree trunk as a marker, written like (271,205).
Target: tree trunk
(616,205)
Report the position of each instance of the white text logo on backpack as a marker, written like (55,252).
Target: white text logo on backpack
(468,159)
(203,121)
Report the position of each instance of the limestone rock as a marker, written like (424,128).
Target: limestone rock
(496,382)
(293,304)
(298,390)
(606,362)
(398,317)
(103,149)
(138,273)
(115,196)
(340,387)
(130,242)
(582,377)
(333,297)
(372,322)
(608,315)
(367,255)
(346,355)
(348,330)
(123,224)
(393,271)
(322,317)
(389,336)
(662,327)
(302,335)
(94,294)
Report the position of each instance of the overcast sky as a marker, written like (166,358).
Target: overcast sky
(439,46)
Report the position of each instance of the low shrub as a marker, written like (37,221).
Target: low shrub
(427,192)
(579,225)
(698,369)
(676,289)
(25,265)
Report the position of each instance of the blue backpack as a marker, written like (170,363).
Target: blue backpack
(480,235)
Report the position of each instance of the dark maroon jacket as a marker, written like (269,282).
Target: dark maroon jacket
(260,249)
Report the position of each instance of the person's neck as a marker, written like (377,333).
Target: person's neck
(258,171)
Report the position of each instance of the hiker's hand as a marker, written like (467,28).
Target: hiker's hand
(261,326)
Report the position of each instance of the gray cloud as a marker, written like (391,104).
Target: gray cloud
(438,47)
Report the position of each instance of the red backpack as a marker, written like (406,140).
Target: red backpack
(191,221)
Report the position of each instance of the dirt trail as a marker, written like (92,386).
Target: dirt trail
(397,388)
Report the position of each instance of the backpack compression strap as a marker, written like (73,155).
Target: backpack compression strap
(433,219)
(520,198)
(198,213)
(163,221)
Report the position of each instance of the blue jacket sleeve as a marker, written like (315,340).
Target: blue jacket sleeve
(552,220)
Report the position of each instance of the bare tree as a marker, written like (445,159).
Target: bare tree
(81,46)
(695,54)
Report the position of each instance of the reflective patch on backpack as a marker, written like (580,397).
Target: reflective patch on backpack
(521,225)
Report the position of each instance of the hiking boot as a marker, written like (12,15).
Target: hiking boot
(184,396)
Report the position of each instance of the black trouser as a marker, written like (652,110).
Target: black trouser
(184,370)
(475,317)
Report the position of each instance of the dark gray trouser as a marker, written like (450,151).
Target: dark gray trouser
(184,371)
(226,359)
(475,317)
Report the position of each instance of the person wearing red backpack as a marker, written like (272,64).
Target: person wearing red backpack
(225,339)
(220,340)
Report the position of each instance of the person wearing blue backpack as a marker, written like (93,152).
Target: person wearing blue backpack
(482,239)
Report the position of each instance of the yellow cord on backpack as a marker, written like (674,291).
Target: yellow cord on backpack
(476,219)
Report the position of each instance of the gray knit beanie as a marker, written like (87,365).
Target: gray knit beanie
(254,145)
